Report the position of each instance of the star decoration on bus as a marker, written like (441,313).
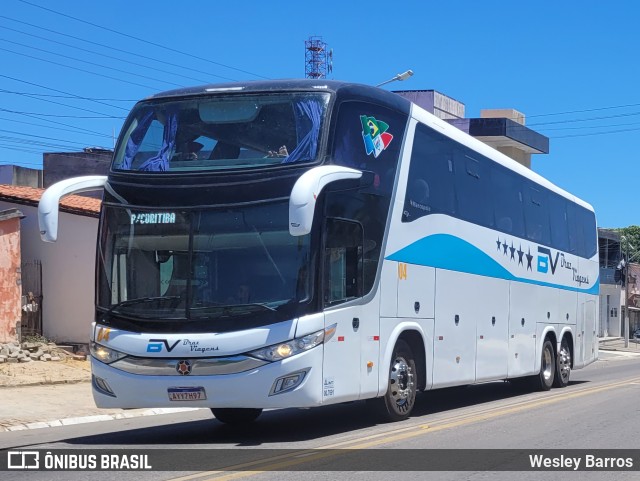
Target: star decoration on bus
(520,254)
(529,259)
(509,249)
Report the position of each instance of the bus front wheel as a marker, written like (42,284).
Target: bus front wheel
(397,403)
(236,416)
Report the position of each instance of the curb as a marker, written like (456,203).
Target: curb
(45,383)
(93,419)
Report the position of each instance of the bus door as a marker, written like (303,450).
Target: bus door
(342,283)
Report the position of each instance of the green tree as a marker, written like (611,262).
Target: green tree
(630,242)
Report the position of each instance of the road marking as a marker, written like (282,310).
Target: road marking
(306,455)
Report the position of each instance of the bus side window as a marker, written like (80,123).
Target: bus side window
(507,201)
(342,261)
(536,216)
(431,183)
(472,188)
(559,224)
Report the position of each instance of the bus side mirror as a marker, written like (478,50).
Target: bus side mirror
(305,192)
(48,205)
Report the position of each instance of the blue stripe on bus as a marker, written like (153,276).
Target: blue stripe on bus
(444,251)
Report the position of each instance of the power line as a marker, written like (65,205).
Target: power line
(75,131)
(77,68)
(52,145)
(116,49)
(43,137)
(591,126)
(66,96)
(93,52)
(142,39)
(97,101)
(89,63)
(101,117)
(51,121)
(11,147)
(596,133)
(585,110)
(64,105)
(629,114)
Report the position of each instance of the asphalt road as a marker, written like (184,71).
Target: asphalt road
(600,409)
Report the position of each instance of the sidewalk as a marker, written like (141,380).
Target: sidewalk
(48,394)
(617,344)
(41,394)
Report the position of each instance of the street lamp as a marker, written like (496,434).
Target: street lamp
(400,76)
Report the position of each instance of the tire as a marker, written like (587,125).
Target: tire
(236,416)
(563,365)
(544,380)
(400,397)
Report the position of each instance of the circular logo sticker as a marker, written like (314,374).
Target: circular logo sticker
(183,367)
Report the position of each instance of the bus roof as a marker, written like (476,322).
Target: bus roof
(352,90)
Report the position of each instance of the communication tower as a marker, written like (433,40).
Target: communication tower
(318,58)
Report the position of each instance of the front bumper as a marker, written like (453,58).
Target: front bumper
(249,389)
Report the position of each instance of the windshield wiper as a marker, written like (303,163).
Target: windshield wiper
(138,300)
(226,310)
(254,304)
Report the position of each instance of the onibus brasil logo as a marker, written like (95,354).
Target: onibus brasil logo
(375,135)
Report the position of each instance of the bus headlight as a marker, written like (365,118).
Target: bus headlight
(277,352)
(105,354)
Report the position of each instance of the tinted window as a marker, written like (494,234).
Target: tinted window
(473,183)
(559,222)
(367,137)
(506,192)
(576,237)
(431,182)
(536,215)
(588,224)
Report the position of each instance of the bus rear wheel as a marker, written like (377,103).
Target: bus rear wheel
(236,416)
(545,378)
(563,365)
(397,403)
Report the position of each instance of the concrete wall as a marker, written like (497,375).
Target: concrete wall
(610,310)
(59,166)
(10,290)
(68,272)
(16,175)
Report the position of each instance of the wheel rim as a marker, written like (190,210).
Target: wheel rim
(564,362)
(401,383)
(547,364)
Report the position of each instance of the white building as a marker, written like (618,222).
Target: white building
(68,266)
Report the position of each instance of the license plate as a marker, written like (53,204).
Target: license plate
(186,394)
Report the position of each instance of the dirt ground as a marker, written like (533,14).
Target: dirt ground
(41,372)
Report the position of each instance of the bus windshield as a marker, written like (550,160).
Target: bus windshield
(222,132)
(203,264)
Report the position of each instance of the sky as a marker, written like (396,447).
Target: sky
(70,71)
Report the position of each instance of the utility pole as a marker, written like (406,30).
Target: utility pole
(626,296)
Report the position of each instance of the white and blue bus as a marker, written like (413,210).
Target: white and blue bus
(302,243)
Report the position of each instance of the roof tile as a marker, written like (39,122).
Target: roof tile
(75,204)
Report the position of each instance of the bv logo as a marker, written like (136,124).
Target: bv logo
(545,260)
(103,334)
(155,345)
